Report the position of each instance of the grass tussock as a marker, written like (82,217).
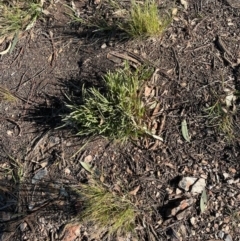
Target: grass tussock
(116,112)
(107,210)
(18,15)
(144,20)
(136,19)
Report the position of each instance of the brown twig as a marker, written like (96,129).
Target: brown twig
(178,67)
(222,46)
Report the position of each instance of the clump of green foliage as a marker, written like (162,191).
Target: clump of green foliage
(116,112)
(108,210)
(139,19)
(144,20)
(18,15)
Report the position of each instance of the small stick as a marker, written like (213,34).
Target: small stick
(178,65)
(222,46)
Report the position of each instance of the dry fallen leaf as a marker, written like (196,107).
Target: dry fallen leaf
(87,167)
(134,191)
(203,201)
(71,232)
(185,131)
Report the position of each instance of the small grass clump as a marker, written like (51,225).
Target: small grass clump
(116,113)
(108,210)
(136,19)
(221,114)
(144,20)
(16,16)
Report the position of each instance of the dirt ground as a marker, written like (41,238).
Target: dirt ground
(197,59)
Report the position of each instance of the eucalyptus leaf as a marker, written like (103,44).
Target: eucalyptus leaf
(87,167)
(203,201)
(157,137)
(185,131)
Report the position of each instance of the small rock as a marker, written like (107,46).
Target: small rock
(232,170)
(180,205)
(169,191)
(88,159)
(225,175)
(231,181)
(178,191)
(97,2)
(67,171)
(226,220)
(44,164)
(41,220)
(23,226)
(193,221)
(221,234)
(226,229)
(68,143)
(104,46)
(228,238)
(230,194)
(199,186)
(187,182)
(183,214)
(39,175)
(9,133)
(183,84)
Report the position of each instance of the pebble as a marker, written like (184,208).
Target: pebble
(228,238)
(88,159)
(225,175)
(67,171)
(193,221)
(187,182)
(221,234)
(9,133)
(178,191)
(231,181)
(104,46)
(199,186)
(41,220)
(226,229)
(23,226)
(39,175)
